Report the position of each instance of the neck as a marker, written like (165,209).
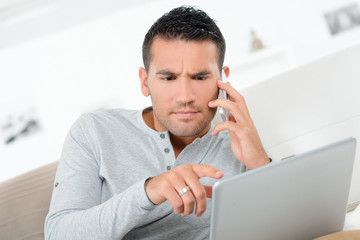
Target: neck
(178,143)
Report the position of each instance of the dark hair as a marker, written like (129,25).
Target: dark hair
(188,24)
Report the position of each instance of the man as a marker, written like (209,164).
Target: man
(148,174)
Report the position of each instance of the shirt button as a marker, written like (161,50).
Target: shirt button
(162,135)
(168,167)
(56,184)
(166,150)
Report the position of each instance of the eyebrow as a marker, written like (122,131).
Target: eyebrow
(167,72)
(205,72)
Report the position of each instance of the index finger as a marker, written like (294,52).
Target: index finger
(228,89)
(204,170)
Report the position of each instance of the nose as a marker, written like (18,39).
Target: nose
(185,91)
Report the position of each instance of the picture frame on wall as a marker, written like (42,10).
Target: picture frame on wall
(18,120)
(343,19)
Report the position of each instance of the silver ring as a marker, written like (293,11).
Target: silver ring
(184,190)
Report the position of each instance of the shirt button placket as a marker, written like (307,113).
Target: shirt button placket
(166,149)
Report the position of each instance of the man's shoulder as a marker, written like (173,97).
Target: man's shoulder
(112,113)
(108,117)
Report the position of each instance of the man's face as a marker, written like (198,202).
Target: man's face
(181,81)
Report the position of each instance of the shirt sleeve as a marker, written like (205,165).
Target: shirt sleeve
(76,210)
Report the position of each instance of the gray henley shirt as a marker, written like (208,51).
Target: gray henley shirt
(99,186)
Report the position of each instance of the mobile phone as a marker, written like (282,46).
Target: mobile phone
(224,113)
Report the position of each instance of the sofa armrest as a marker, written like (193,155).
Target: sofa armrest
(24,203)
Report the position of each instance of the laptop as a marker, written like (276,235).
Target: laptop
(300,197)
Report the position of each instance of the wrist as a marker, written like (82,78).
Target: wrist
(261,162)
(266,161)
(145,186)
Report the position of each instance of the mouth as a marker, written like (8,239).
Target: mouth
(185,113)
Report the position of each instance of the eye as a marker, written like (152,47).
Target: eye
(168,78)
(199,77)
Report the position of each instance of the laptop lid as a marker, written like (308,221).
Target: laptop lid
(301,197)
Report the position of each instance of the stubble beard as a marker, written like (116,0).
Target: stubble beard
(189,127)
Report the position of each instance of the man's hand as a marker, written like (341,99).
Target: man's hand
(245,141)
(167,186)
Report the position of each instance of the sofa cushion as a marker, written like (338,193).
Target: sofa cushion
(24,203)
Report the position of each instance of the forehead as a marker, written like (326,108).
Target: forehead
(179,54)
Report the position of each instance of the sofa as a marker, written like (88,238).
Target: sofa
(25,200)
(24,203)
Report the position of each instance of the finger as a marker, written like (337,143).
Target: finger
(228,125)
(188,200)
(225,103)
(232,118)
(234,95)
(231,92)
(181,204)
(204,170)
(177,180)
(175,200)
(198,191)
(235,110)
(229,96)
(208,190)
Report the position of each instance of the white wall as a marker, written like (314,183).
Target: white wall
(309,107)
(95,64)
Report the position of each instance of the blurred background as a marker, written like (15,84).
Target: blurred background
(59,59)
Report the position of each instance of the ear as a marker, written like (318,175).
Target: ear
(144,83)
(227,71)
